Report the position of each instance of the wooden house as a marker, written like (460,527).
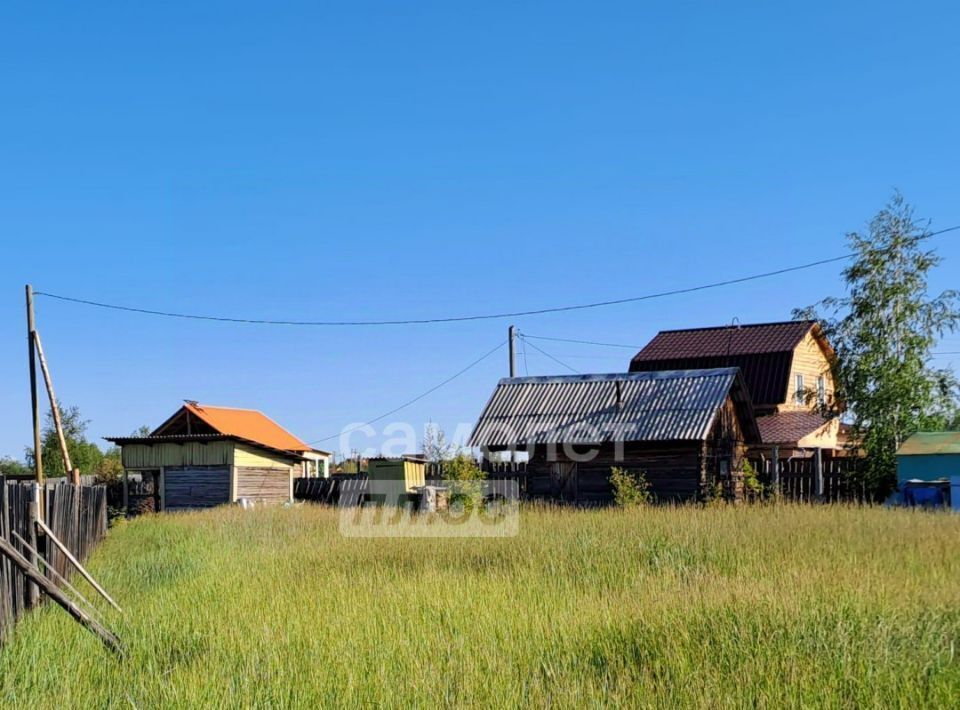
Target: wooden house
(786,367)
(685,430)
(204,456)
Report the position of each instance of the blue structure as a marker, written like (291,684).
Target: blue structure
(928,469)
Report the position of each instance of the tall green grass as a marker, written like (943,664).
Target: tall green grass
(749,606)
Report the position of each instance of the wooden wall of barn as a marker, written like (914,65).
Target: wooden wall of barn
(268,485)
(193,453)
(673,470)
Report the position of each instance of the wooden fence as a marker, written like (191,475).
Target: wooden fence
(77,516)
(797,479)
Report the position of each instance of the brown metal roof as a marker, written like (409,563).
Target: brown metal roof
(789,427)
(752,339)
(762,351)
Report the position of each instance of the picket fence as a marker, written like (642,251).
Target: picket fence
(77,516)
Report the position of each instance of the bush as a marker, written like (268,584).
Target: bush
(629,490)
(465,479)
(752,487)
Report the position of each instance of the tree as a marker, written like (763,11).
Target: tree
(85,455)
(436,449)
(883,332)
(12,467)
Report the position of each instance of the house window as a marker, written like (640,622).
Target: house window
(821,390)
(798,393)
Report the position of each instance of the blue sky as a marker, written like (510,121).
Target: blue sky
(386,160)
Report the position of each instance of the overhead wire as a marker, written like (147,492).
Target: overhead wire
(415,399)
(556,360)
(476,317)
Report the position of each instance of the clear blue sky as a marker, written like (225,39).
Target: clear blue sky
(379,160)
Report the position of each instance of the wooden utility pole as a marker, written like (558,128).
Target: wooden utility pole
(35,405)
(511,337)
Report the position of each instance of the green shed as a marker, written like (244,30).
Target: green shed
(931,458)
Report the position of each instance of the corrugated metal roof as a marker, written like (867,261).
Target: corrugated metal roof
(645,406)
(931,442)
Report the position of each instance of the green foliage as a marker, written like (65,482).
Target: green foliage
(684,607)
(466,480)
(752,487)
(629,489)
(883,332)
(84,454)
(12,467)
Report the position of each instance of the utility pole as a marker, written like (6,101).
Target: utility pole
(511,337)
(34,403)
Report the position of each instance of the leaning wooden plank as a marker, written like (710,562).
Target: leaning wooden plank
(55,409)
(73,560)
(63,580)
(54,592)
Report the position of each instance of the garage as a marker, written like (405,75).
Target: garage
(195,486)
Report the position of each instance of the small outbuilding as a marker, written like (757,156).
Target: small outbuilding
(204,456)
(928,469)
(684,430)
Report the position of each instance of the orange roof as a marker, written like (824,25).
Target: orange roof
(248,424)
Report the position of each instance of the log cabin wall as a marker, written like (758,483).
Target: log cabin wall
(724,451)
(673,470)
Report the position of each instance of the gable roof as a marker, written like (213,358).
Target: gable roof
(925,443)
(751,339)
(763,351)
(248,424)
(644,406)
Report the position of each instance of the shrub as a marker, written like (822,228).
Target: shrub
(629,489)
(752,487)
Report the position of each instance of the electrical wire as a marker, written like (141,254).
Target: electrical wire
(415,399)
(454,319)
(583,342)
(556,360)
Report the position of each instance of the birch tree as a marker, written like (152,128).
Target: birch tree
(883,331)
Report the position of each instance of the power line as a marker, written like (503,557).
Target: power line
(454,319)
(556,360)
(415,399)
(583,342)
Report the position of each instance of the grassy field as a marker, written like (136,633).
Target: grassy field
(697,607)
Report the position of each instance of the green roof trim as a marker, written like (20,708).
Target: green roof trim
(926,443)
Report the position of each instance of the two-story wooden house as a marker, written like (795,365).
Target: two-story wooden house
(786,367)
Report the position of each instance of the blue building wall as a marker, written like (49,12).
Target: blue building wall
(928,468)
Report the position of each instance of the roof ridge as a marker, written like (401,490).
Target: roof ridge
(623,376)
(737,326)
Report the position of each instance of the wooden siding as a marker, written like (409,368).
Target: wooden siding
(810,361)
(194,453)
(673,471)
(724,443)
(195,486)
(253,457)
(271,485)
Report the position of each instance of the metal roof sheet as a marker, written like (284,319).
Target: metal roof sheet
(644,406)
(749,339)
(762,351)
(931,442)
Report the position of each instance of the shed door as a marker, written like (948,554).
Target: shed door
(195,486)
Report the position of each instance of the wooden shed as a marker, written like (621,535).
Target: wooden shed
(685,430)
(204,456)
